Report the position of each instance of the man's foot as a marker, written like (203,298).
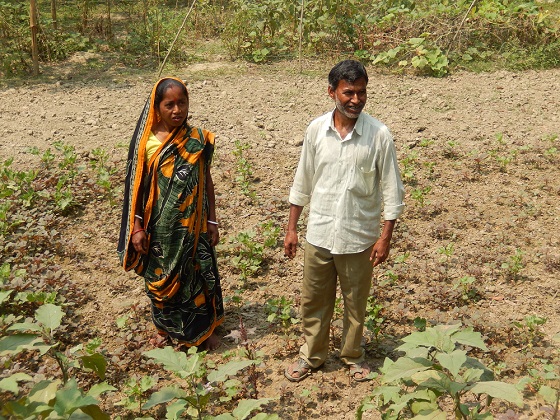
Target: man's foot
(360,372)
(160,340)
(211,343)
(298,370)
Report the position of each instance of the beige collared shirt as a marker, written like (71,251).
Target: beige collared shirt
(348,183)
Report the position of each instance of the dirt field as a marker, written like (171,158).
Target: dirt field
(478,154)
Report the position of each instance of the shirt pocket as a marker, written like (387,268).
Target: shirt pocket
(362,181)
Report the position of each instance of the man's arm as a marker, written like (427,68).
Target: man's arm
(381,248)
(291,239)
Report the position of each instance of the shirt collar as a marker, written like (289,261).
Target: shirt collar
(358,127)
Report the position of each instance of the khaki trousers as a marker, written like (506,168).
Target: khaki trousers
(320,272)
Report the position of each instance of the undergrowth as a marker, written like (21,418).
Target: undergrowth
(428,37)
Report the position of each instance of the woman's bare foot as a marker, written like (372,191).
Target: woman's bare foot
(212,342)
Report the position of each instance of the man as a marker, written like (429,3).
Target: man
(347,172)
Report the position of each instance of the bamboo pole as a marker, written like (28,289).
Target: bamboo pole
(34,30)
(175,40)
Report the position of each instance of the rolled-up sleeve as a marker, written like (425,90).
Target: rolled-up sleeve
(391,183)
(300,193)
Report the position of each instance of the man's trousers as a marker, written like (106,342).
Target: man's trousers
(320,273)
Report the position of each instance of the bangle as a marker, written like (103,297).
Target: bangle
(136,231)
(138,217)
(213,223)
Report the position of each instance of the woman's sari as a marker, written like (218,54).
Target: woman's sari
(180,269)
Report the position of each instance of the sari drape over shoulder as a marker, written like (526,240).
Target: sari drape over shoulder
(180,269)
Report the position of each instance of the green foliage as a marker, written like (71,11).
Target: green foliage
(514,264)
(466,285)
(374,319)
(419,195)
(200,380)
(244,177)
(435,367)
(249,248)
(428,37)
(281,310)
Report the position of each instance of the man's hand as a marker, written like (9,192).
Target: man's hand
(290,244)
(380,251)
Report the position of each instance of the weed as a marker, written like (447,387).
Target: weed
(447,251)
(408,165)
(514,265)
(467,288)
(419,195)
(434,367)
(530,328)
(281,310)
(374,319)
(244,170)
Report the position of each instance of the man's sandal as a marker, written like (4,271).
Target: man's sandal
(360,372)
(300,368)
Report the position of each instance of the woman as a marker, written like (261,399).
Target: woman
(168,227)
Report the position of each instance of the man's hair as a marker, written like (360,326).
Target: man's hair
(162,88)
(349,70)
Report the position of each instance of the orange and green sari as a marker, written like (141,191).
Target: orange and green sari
(180,269)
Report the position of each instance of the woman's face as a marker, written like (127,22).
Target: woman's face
(174,107)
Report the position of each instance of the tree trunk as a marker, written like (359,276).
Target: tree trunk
(53,14)
(109,24)
(34,30)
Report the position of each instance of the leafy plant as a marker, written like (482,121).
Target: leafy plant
(467,288)
(436,366)
(199,378)
(374,319)
(244,169)
(62,398)
(514,264)
(281,310)
(419,195)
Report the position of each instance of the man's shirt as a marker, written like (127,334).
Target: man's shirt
(347,182)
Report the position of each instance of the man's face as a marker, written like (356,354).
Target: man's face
(350,97)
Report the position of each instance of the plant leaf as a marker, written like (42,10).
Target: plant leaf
(229,369)
(468,337)
(549,394)
(171,360)
(452,361)
(70,398)
(432,415)
(101,388)
(404,368)
(97,363)
(13,344)
(500,390)
(244,408)
(44,391)
(164,395)
(11,383)
(49,315)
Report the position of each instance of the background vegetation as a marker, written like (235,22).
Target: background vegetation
(425,36)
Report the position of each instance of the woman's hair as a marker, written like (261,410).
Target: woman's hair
(349,70)
(162,88)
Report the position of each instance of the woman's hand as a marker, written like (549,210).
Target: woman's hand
(213,234)
(140,242)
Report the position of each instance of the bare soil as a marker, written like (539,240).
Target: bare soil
(478,156)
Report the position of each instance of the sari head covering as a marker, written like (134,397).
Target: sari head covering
(180,269)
